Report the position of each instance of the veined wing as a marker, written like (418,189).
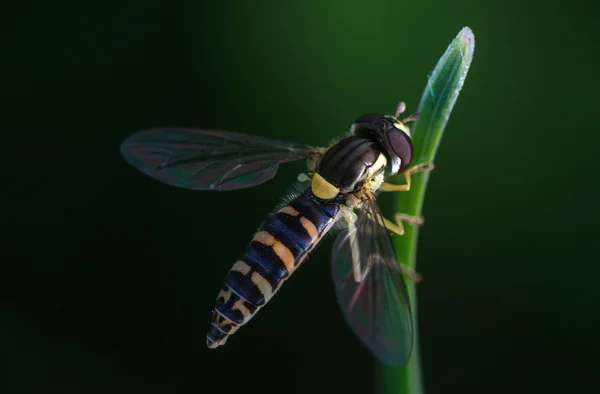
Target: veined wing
(208,159)
(370,287)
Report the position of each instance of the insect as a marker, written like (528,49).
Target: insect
(340,189)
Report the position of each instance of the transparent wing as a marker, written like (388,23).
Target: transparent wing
(208,159)
(370,287)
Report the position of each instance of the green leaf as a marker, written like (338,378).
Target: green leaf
(435,107)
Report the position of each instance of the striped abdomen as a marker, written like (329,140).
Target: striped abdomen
(276,250)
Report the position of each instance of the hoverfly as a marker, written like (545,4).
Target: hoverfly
(339,189)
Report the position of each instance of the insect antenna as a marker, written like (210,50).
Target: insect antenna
(400,109)
(410,118)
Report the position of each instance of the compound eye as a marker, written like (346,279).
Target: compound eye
(401,144)
(368,118)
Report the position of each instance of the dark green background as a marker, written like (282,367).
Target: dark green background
(109,277)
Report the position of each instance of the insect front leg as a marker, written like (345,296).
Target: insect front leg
(389,187)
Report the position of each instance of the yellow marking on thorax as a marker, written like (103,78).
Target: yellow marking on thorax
(379,164)
(241,267)
(280,249)
(289,210)
(263,285)
(374,174)
(310,227)
(322,188)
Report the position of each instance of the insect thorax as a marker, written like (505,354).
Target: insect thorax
(347,166)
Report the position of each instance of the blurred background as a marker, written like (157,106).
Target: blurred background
(108,277)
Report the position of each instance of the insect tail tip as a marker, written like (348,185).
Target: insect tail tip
(215,344)
(211,344)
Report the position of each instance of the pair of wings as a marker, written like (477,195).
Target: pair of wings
(376,307)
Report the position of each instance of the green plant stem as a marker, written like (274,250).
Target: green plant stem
(434,109)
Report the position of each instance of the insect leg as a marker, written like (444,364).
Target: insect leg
(410,273)
(414,220)
(397,227)
(350,218)
(389,187)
